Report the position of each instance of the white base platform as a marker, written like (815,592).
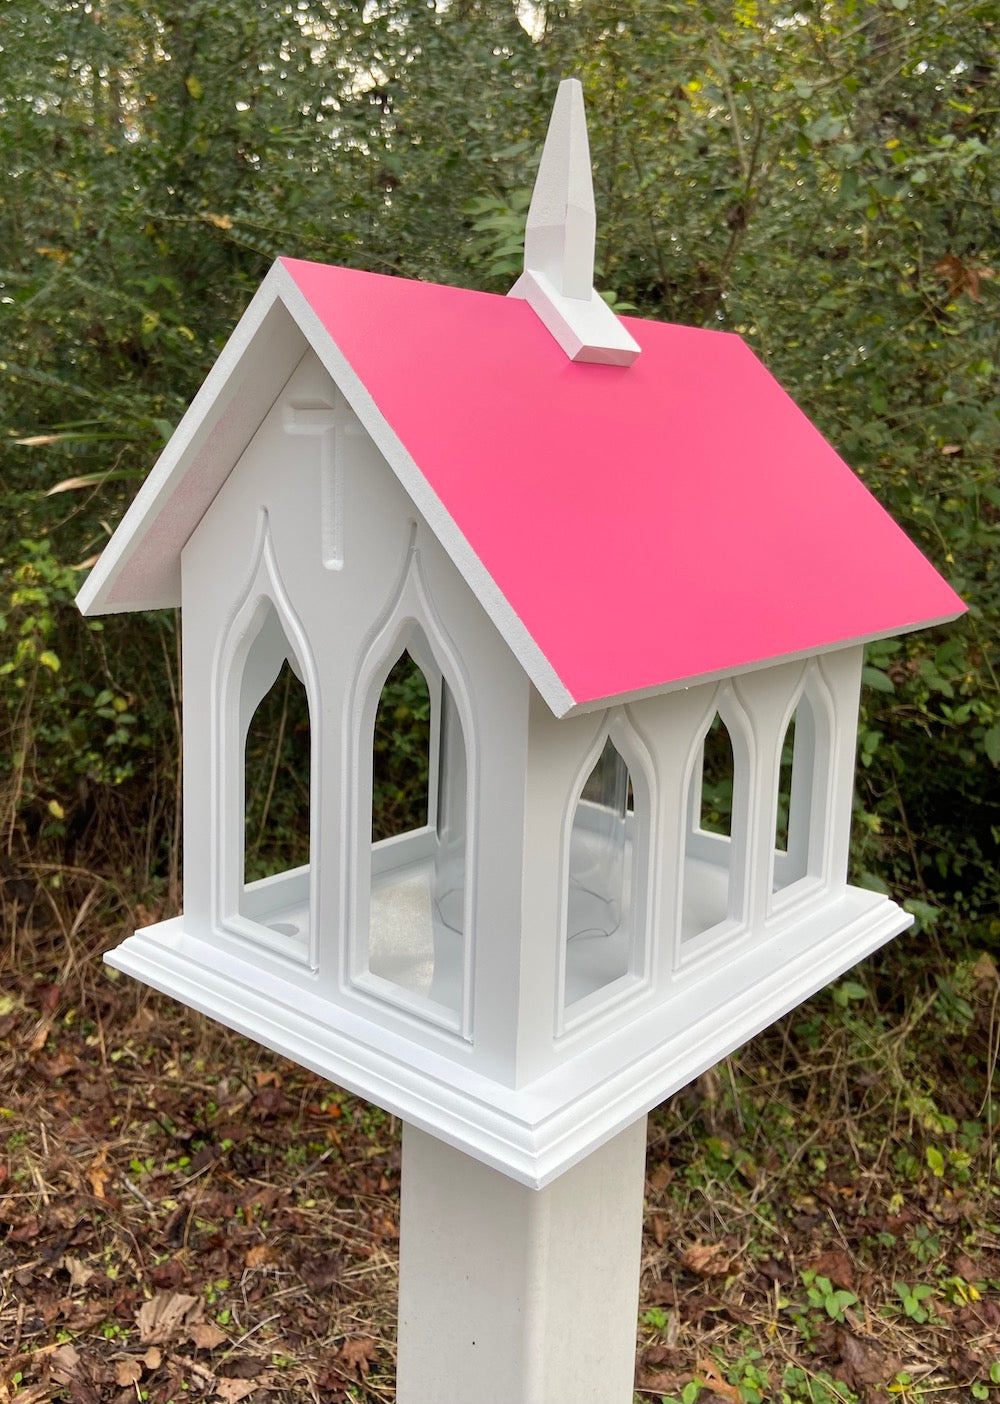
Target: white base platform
(536,1132)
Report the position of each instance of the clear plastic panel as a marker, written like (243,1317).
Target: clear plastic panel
(597,849)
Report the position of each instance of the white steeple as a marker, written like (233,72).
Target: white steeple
(558,277)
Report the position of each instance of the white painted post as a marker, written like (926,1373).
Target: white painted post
(509,1295)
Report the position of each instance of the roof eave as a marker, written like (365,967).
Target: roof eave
(597,704)
(242,385)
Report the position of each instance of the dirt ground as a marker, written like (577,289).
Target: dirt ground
(184,1216)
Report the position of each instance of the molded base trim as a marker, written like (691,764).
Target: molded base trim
(536,1132)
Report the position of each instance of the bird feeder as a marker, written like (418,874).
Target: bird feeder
(637,583)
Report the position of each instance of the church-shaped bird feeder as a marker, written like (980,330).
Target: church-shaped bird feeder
(637,583)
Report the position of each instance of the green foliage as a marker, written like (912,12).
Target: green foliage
(822,1295)
(821,178)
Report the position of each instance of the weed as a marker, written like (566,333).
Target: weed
(822,1295)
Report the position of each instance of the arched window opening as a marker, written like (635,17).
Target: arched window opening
(709,841)
(600,920)
(418,852)
(784,805)
(401,752)
(797,780)
(718,774)
(273,890)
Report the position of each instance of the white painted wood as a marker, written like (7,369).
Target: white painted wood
(558,278)
(585,328)
(488,1032)
(604,1074)
(513,1296)
(562,222)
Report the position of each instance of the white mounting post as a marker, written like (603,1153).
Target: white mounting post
(509,1295)
(558,277)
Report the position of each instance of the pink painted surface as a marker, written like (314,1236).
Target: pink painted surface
(666,520)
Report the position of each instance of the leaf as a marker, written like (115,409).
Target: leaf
(708,1259)
(260,1255)
(837,1266)
(935,1161)
(985,968)
(99,1173)
(79,1273)
(85,480)
(233,1390)
(167,1315)
(128,1372)
(875,678)
(206,1335)
(991,744)
(65,1362)
(710,1377)
(358,1352)
(862,1361)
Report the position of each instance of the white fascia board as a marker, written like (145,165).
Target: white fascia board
(140,566)
(535,1133)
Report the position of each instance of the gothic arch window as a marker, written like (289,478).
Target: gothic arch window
(410,890)
(264,770)
(605,946)
(803,785)
(716,832)
(416,908)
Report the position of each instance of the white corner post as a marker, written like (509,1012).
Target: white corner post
(510,1295)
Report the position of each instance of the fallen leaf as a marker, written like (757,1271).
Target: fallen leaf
(661,1176)
(233,1390)
(153,1358)
(269,1078)
(837,1266)
(128,1372)
(862,1362)
(26,1230)
(710,1377)
(708,1259)
(79,1273)
(166,1315)
(206,1335)
(58,1066)
(270,1101)
(65,1362)
(99,1173)
(358,1352)
(259,1255)
(41,1034)
(985,969)
(660,1228)
(963,1266)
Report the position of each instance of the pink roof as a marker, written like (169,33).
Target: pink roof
(627,528)
(676,518)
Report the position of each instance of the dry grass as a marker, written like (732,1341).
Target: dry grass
(183,1216)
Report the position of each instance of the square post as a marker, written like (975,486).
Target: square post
(509,1295)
